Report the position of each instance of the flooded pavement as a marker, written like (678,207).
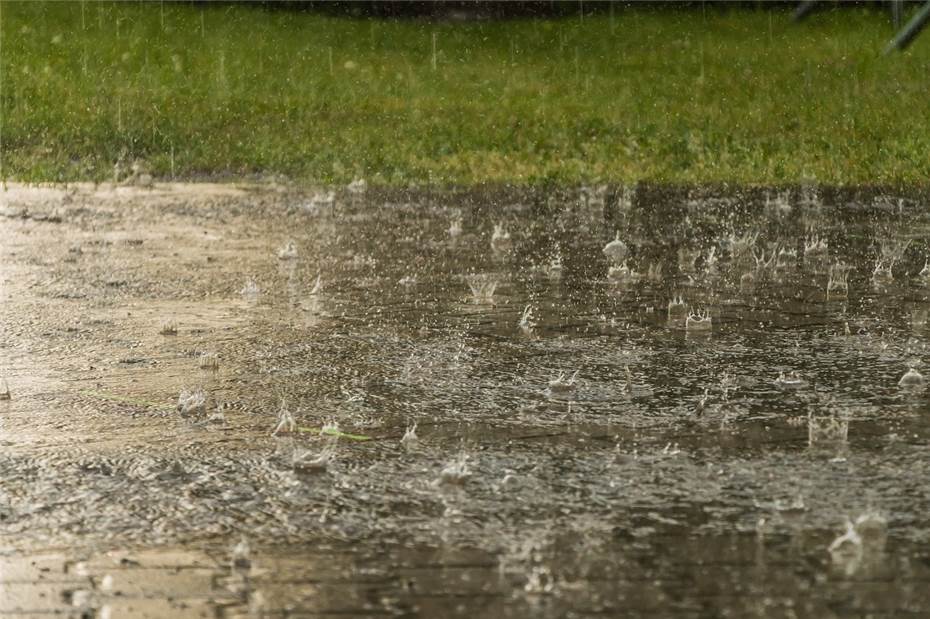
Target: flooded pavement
(236,401)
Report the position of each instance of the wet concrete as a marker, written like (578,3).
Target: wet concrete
(677,475)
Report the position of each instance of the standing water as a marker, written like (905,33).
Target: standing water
(478,421)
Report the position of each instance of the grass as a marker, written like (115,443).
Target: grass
(730,95)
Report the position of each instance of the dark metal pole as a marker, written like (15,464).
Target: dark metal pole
(910,31)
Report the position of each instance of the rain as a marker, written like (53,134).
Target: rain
(255,396)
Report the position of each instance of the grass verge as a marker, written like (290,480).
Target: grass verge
(672,96)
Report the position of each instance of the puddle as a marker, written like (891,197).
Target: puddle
(584,443)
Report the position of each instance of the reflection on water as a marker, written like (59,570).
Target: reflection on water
(631,401)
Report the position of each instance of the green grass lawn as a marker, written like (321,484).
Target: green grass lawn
(666,95)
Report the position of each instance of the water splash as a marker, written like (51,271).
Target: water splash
(893,249)
(765,260)
(838,280)
(829,430)
(814,245)
(699,321)
(846,550)
(500,239)
(728,385)
(710,261)
(654,272)
(288,251)
(924,274)
(192,404)
(616,250)
(701,406)
(357,187)
(882,272)
(687,258)
(217,417)
(791,380)
(785,258)
(780,205)
(456,472)
(455,227)
(563,384)
(241,556)
(872,527)
(321,201)
(677,308)
(622,275)
(555,263)
(482,286)
(317,284)
(626,197)
(308,461)
(250,291)
(286,423)
(209,361)
(912,380)
(527,321)
(410,441)
(918,318)
(742,246)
